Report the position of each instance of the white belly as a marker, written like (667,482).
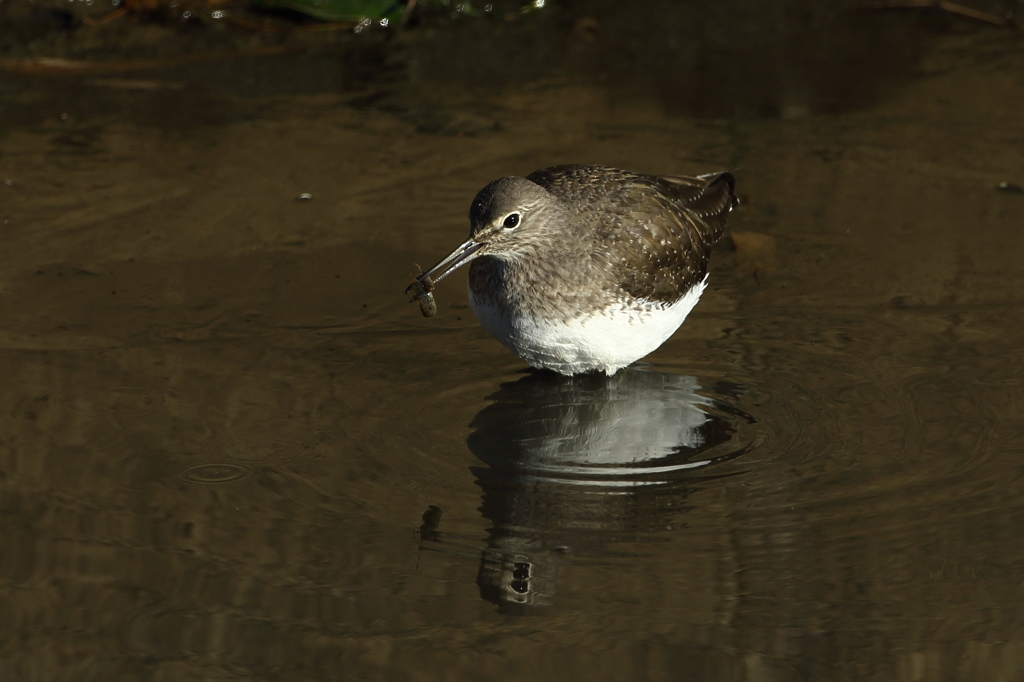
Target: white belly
(606,341)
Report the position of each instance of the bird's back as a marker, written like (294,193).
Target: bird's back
(652,234)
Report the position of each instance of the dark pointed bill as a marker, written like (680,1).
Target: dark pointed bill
(464,253)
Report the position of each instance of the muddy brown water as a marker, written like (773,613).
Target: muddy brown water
(230,449)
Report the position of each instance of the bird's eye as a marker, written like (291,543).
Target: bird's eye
(511,220)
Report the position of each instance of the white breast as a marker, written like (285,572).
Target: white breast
(605,341)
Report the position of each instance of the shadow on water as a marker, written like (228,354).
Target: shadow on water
(732,58)
(735,58)
(575,464)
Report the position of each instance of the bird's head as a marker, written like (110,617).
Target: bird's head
(506,217)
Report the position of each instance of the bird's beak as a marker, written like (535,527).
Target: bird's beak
(464,253)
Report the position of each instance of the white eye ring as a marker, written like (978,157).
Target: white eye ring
(510,221)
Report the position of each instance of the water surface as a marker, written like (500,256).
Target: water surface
(231,450)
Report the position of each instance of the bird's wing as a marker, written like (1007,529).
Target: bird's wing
(660,229)
(670,226)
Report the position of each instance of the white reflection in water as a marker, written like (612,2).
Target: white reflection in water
(575,463)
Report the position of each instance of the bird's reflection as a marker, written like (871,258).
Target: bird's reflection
(576,463)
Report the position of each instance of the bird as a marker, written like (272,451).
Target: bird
(581,269)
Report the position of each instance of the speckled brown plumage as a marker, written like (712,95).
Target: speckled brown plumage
(629,238)
(587,268)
